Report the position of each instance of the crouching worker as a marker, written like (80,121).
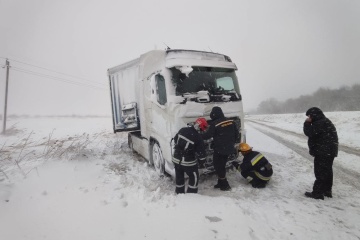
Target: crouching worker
(188,147)
(255,167)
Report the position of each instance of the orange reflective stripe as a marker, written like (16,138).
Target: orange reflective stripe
(227,122)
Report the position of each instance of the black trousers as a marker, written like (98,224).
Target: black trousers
(323,174)
(193,174)
(219,161)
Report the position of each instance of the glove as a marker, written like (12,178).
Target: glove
(236,164)
(201,164)
(236,146)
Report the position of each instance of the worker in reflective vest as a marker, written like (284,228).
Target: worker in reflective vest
(189,155)
(225,134)
(255,168)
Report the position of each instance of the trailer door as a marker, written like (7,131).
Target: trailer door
(123,100)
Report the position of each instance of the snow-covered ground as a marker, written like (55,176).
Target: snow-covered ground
(72,178)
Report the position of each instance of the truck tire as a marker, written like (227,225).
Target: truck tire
(157,159)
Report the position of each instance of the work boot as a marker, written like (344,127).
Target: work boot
(258,185)
(314,196)
(224,185)
(218,184)
(225,188)
(328,194)
(179,190)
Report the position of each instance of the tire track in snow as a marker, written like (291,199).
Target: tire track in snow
(347,176)
(343,148)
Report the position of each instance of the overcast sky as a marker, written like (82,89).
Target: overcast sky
(283,48)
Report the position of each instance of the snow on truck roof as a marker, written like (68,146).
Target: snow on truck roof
(213,55)
(182,57)
(197,58)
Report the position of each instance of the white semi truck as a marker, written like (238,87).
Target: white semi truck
(160,92)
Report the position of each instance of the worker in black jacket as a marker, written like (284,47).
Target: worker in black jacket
(255,168)
(189,153)
(323,146)
(225,134)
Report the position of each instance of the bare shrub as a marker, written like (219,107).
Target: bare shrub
(115,146)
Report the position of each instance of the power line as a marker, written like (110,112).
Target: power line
(18,69)
(58,72)
(56,78)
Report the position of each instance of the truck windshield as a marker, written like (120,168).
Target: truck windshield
(217,82)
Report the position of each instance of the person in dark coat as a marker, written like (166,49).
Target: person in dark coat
(189,153)
(323,146)
(225,134)
(255,168)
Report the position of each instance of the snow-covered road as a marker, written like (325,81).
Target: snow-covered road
(269,130)
(298,143)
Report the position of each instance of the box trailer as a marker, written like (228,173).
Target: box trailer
(160,92)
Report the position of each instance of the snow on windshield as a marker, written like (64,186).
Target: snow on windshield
(213,80)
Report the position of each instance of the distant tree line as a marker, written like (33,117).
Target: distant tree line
(343,99)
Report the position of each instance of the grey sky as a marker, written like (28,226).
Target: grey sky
(283,48)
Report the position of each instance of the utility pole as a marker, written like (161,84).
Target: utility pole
(6,95)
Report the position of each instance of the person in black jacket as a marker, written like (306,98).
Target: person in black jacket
(225,134)
(323,146)
(188,147)
(255,168)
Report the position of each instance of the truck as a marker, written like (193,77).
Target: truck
(156,94)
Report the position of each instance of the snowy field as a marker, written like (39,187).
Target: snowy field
(72,178)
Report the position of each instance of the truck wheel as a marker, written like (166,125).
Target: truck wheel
(158,159)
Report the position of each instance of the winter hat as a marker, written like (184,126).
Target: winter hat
(315,113)
(216,113)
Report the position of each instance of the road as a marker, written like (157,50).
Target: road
(296,141)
